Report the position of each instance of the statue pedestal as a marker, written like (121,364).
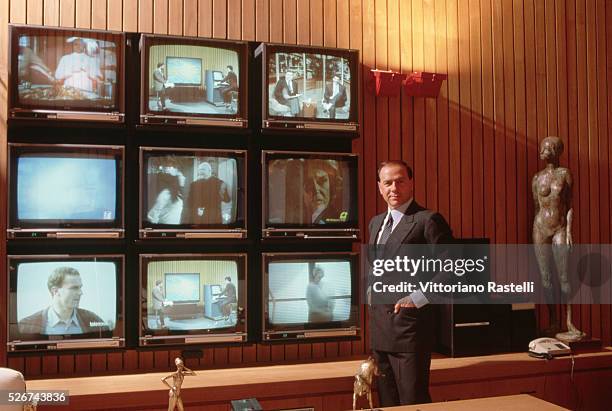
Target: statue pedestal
(587,344)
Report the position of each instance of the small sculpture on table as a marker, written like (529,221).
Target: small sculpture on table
(364,380)
(552,230)
(175,400)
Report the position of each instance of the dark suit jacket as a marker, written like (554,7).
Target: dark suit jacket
(206,194)
(280,86)
(231,79)
(37,322)
(411,330)
(340,98)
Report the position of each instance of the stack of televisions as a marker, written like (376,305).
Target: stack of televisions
(109,282)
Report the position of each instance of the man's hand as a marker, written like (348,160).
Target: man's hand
(405,302)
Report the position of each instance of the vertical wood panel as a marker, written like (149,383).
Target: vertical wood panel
(98,14)
(175,17)
(465,120)
(342,24)
(234,20)
(190,18)
(290,21)
(219,27)
(420,144)
(51,13)
(130,15)
(34,12)
(262,32)
(382,103)
(5,12)
(145,16)
(431,142)
(329,23)
(205,18)
(115,15)
(453,116)
(67,13)
(394,63)
(488,113)
(276,17)
(303,21)
(316,22)
(160,16)
(248,19)
(17,11)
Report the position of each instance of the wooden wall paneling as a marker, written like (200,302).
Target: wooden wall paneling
(289,22)
(130,360)
(219,26)
(262,27)
(66,364)
(368,54)
(161,360)
(303,21)
(83,14)
(318,351)
(329,23)
(175,17)
(382,103)
(34,12)
(467,226)
(561,62)
(276,18)
(145,16)
(344,349)
(607,309)
(234,20)
(488,136)
(160,16)
(394,63)
(248,19)
(249,354)
(17,11)
(208,358)
(51,13)
(431,129)
(205,18)
(442,107)
(5,13)
(190,18)
(98,362)
(49,365)
(82,364)
(263,352)
(115,15)
(331,350)
(316,22)
(145,360)
(551,68)
(67,13)
(454,129)
(277,352)
(98,14)
(115,361)
(220,355)
(235,355)
(500,140)
(33,365)
(16,363)
(291,352)
(419,145)
(304,351)
(130,15)
(342,24)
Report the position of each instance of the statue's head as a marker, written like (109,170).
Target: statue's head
(178,362)
(551,148)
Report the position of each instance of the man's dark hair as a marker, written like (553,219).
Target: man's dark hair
(56,279)
(228,279)
(159,65)
(400,163)
(230,67)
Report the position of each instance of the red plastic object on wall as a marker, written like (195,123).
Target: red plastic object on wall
(423,84)
(386,83)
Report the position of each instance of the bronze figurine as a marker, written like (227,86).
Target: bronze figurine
(175,399)
(363,381)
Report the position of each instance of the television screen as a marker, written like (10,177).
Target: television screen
(188,190)
(67,70)
(310,191)
(65,299)
(193,81)
(195,298)
(309,292)
(65,187)
(310,86)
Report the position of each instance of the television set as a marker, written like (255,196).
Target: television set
(65,191)
(193,298)
(309,88)
(310,295)
(192,193)
(193,82)
(66,74)
(58,302)
(310,195)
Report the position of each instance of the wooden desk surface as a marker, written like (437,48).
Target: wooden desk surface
(522,402)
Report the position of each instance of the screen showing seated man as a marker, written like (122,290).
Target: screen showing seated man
(191,294)
(66,188)
(66,298)
(193,79)
(188,190)
(66,71)
(309,86)
(301,292)
(308,191)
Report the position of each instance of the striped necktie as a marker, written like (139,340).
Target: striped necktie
(387,229)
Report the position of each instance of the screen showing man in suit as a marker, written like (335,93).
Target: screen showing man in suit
(66,298)
(402,333)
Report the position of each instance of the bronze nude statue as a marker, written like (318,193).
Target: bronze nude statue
(552,229)
(175,400)
(364,380)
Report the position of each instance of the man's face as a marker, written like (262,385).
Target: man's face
(395,187)
(204,171)
(319,189)
(69,294)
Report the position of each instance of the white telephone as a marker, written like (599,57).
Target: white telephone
(548,348)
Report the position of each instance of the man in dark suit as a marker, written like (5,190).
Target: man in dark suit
(229,84)
(205,196)
(63,316)
(286,93)
(334,96)
(402,334)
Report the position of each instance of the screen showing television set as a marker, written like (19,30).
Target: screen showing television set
(310,195)
(192,81)
(66,74)
(192,193)
(309,88)
(65,302)
(192,298)
(310,295)
(65,191)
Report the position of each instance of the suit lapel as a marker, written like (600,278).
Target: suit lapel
(403,230)
(378,220)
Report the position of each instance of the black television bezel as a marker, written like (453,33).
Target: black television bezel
(148,117)
(53,113)
(56,228)
(286,332)
(55,343)
(338,231)
(185,231)
(304,124)
(167,337)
